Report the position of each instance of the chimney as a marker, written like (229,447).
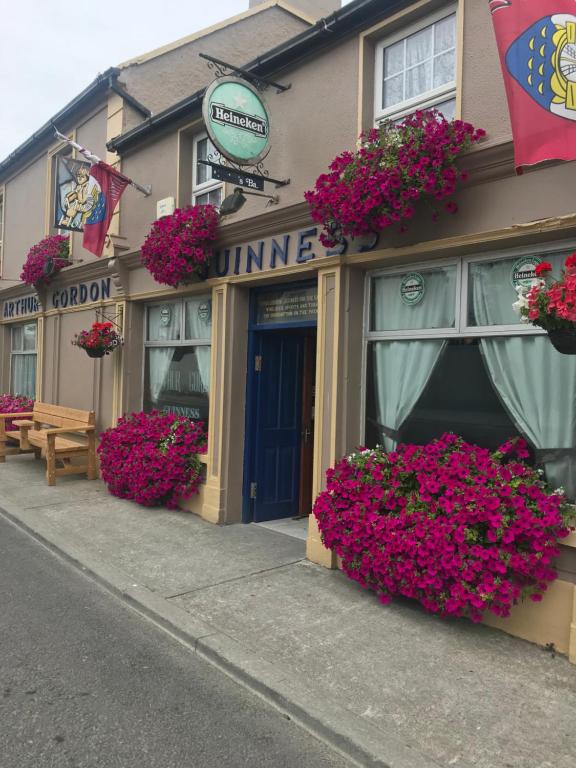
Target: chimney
(316,9)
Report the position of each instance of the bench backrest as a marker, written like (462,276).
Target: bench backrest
(59,416)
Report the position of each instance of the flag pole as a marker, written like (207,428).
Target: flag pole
(146,190)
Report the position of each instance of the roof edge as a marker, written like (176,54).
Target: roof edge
(326,32)
(173,46)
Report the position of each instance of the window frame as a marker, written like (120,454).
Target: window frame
(461,328)
(182,342)
(211,184)
(23,351)
(428,99)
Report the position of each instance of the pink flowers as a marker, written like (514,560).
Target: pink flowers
(180,246)
(15,404)
(395,166)
(152,458)
(459,529)
(45,260)
(550,305)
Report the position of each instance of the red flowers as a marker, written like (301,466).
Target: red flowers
(152,458)
(45,260)
(550,305)
(101,336)
(15,404)
(459,529)
(543,268)
(395,166)
(180,246)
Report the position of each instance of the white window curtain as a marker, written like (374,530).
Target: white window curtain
(199,328)
(402,370)
(536,384)
(161,327)
(23,375)
(436,309)
(538,387)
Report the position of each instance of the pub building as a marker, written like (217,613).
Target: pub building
(294,354)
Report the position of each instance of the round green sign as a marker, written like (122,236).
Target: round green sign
(412,289)
(237,120)
(524,271)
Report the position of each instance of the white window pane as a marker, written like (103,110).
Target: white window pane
(177,380)
(203,172)
(447,108)
(23,375)
(164,322)
(419,47)
(199,318)
(394,59)
(17,338)
(418,80)
(445,34)
(393,91)
(444,69)
(215,197)
(414,300)
(30,337)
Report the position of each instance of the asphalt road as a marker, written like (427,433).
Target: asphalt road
(85,682)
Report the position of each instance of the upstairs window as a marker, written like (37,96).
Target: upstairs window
(205,189)
(416,69)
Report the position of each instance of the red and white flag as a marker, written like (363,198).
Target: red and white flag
(105,188)
(537,44)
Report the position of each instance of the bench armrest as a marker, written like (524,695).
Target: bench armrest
(63,430)
(5,416)
(23,423)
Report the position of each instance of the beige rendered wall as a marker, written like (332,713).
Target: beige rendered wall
(24,216)
(163,80)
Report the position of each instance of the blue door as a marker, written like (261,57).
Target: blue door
(278,425)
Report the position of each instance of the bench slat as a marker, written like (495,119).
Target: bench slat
(47,412)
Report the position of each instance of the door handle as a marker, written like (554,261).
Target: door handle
(306,433)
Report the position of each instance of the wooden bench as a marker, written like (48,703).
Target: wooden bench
(59,435)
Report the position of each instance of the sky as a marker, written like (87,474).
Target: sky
(50,50)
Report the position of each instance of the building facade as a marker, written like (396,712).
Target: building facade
(292,353)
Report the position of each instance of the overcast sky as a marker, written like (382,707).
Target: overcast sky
(50,50)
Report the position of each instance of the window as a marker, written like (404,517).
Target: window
(446,352)
(417,69)
(205,189)
(23,360)
(177,357)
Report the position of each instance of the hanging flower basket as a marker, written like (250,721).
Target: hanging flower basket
(100,340)
(551,304)
(564,341)
(179,247)
(45,260)
(396,166)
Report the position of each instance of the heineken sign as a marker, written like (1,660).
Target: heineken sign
(237,120)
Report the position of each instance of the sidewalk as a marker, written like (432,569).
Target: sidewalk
(389,685)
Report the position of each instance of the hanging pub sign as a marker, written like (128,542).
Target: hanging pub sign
(237,120)
(75,194)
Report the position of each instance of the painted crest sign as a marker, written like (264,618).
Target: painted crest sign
(537,45)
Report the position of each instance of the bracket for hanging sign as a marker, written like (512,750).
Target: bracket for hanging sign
(102,317)
(222,69)
(240,177)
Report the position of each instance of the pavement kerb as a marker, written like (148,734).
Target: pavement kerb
(347,733)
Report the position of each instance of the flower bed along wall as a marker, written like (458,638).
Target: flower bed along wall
(15,404)
(461,530)
(152,458)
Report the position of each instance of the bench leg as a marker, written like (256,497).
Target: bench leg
(92,473)
(51,461)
